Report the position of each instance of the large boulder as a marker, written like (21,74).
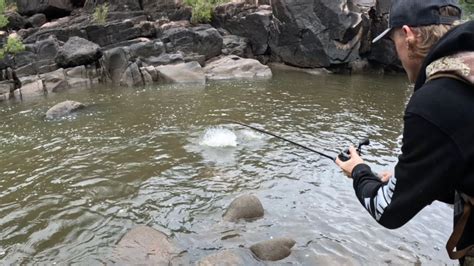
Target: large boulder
(273,250)
(382,52)
(147,49)
(236,45)
(315,33)
(116,32)
(51,8)
(244,207)
(55,81)
(16,21)
(145,246)
(82,76)
(203,40)
(164,59)
(78,51)
(115,61)
(37,20)
(247,21)
(132,76)
(190,72)
(47,49)
(234,67)
(32,87)
(63,109)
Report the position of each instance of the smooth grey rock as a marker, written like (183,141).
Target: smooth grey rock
(55,81)
(244,207)
(115,62)
(37,20)
(81,76)
(234,67)
(51,8)
(6,86)
(78,51)
(164,59)
(229,257)
(273,250)
(63,109)
(32,88)
(145,246)
(311,71)
(190,72)
(132,76)
(201,59)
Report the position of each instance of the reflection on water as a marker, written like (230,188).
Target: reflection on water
(69,189)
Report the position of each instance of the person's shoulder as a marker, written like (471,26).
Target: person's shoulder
(443,99)
(441,92)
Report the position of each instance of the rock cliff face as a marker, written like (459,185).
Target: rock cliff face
(66,48)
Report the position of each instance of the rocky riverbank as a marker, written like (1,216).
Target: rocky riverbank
(151,42)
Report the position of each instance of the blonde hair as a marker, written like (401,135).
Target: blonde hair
(427,36)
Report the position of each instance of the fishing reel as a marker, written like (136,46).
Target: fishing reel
(346,156)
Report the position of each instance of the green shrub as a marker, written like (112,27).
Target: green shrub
(3,18)
(202,9)
(13,46)
(468,8)
(100,14)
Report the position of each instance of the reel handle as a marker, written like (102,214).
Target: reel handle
(345,154)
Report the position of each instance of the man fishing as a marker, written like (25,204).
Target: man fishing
(437,160)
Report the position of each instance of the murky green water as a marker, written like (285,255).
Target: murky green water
(70,189)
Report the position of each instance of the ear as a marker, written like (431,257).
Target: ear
(409,34)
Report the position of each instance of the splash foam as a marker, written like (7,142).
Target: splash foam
(219,137)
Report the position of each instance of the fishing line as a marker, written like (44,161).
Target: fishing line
(343,156)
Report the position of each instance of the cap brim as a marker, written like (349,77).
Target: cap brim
(382,35)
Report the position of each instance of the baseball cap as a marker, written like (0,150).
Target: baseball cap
(417,13)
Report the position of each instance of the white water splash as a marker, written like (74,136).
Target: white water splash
(252,135)
(219,137)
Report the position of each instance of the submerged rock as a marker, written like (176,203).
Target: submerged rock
(78,51)
(144,245)
(234,67)
(244,207)
(229,257)
(63,109)
(273,250)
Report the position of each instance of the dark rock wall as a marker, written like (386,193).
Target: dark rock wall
(143,34)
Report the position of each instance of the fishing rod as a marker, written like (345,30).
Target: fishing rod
(343,156)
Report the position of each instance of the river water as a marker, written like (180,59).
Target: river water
(71,188)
